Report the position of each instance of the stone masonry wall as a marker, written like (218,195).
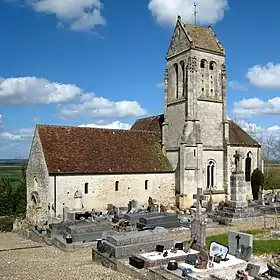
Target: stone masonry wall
(37,181)
(101,189)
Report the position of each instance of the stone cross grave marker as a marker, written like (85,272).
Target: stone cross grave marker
(198,225)
(199,198)
(237,161)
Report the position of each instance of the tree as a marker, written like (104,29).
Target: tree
(257,182)
(6,197)
(20,194)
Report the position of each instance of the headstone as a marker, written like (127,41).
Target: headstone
(65,211)
(240,245)
(252,269)
(198,225)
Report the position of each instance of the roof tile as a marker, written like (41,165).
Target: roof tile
(84,150)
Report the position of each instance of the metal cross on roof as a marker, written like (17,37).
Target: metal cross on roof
(195,12)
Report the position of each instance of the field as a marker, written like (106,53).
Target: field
(11,169)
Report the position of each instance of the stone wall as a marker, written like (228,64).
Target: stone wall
(37,181)
(102,189)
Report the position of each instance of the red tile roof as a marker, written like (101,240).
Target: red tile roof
(81,150)
(153,123)
(238,137)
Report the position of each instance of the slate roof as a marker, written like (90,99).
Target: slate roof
(238,137)
(203,38)
(82,150)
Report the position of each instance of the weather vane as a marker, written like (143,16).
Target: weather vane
(195,12)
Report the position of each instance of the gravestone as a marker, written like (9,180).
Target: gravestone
(134,218)
(240,245)
(131,243)
(87,231)
(166,220)
(198,224)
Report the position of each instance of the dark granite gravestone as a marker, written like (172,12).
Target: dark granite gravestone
(166,220)
(134,218)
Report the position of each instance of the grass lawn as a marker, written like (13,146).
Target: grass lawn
(260,247)
(13,172)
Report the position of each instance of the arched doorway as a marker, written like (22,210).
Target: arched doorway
(35,207)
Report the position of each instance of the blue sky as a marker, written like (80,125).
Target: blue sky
(101,63)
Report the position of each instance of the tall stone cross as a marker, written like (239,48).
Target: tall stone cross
(199,198)
(237,161)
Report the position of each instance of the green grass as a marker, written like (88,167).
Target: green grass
(260,247)
(13,172)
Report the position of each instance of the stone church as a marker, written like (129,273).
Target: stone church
(166,157)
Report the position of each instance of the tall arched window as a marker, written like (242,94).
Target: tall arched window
(212,65)
(86,188)
(182,64)
(248,167)
(35,181)
(210,174)
(176,68)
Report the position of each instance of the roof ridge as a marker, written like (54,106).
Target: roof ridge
(96,128)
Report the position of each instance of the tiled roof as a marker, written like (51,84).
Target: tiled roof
(153,123)
(80,150)
(238,137)
(203,38)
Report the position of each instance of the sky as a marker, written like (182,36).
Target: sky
(101,63)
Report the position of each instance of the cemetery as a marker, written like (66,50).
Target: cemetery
(141,242)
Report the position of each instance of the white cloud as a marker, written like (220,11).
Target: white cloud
(265,76)
(112,125)
(1,120)
(209,12)
(237,86)
(20,135)
(101,108)
(160,85)
(255,107)
(78,14)
(32,90)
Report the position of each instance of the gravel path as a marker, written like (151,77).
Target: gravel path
(46,263)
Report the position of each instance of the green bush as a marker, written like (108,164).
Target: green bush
(257,182)
(6,224)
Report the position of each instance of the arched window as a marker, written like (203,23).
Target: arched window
(177,79)
(35,182)
(210,174)
(86,188)
(248,167)
(116,186)
(146,184)
(202,63)
(182,64)
(212,65)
